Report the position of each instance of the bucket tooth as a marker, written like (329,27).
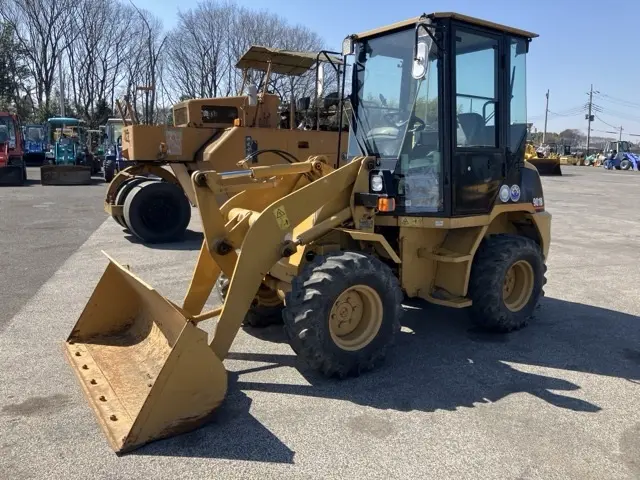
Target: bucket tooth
(147,372)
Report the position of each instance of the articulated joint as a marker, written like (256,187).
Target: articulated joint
(199,178)
(288,248)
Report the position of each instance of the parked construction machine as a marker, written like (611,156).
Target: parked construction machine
(570,157)
(67,160)
(153,202)
(545,158)
(618,156)
(456,218)
(35,144)
(112,148)
(13,170)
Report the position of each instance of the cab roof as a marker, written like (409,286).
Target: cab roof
(66,120)
(285,62)
(453,16)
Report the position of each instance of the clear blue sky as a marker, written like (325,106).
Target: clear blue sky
(581,42)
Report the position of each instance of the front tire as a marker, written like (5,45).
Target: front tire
(343,313)
(506,282)
(625,164)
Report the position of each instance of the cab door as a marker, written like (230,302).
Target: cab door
(478,158)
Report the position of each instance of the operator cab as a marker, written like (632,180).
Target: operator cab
(440,101)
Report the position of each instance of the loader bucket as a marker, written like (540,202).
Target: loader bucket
(546,166)
(147,372)
(11,175)
(65,175)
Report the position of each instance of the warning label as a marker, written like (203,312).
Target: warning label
(281,218)
(174,141)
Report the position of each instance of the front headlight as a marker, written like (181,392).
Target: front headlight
(376,183)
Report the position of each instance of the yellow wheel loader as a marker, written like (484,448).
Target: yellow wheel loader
(152,197)
(571,158)
(545,159)
(454,217)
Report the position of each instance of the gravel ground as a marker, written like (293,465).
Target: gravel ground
(559,399)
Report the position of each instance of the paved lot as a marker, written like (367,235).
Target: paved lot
(41,226)
(560,399)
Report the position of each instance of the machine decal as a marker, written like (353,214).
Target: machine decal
(504,193)
(281,218)
(515,193)
(174,141)
(538,202)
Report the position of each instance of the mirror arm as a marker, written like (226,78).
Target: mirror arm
(427,27)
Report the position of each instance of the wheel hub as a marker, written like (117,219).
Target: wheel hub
(518,285)
(355,318)
(159,213)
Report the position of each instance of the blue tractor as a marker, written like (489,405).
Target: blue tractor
(35,144)
(619,157)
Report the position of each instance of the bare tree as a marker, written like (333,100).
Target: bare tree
(40,27)
(196,60)
(210,38)
(148,52)
(94,57)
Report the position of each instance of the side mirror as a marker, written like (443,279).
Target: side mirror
(348,46)
(421,49)
(252,95)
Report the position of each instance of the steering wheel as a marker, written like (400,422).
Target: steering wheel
(389,117)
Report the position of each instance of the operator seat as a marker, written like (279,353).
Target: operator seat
(472,125)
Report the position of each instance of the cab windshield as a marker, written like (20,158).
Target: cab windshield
(7,131)
(117,130)
(35,134)
(396,117)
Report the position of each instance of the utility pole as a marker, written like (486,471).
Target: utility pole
(546,113)
(589,119)
(620,137)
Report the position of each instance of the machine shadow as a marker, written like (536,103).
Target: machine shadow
(192,240)
(441,362)
(234,434)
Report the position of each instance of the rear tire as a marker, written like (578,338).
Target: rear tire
(625,164)
(506,282)
(265,310)
(343,313)
(121,197)
(157,212)
(109,170)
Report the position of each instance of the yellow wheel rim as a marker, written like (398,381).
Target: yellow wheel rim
(355,317)
(518,285)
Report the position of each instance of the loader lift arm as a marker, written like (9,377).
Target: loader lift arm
(264,243)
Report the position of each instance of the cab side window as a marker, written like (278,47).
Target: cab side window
(476,90)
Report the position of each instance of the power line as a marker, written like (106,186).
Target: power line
(618,101)
(607,124)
